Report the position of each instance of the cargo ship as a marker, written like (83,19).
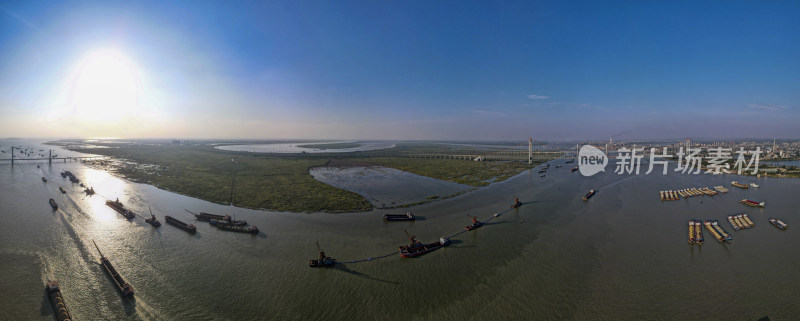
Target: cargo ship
(737,184)
(123,287)
(721,189)
(475,224)
(228,226)
(408,216)
(323,261)
(181,225)
(752,203)
(698,230)
(206,217)
(722,232)
(713,231)
(417,248)
(53,204)
(746,220)
(117,206)
(778,223)
(57,301)
(734,223)
(588,195)
(691,232)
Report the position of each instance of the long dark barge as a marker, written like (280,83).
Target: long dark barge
(228,226)
(181,225)
(53,204)
(117,206)
(417,248)
(408,216)
(57,300)
(123,287)
(206,217)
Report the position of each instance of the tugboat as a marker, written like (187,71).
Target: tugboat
(752,203)
(416,248)
(62,190)
(517,203)
(778,223)
(44,179)
(117,206)
(181,225)
(152,220)
(475,224)
(57,300)
(123,287)
(53,204)
(323,261)
(588,195)
(228,226)
(408,216)
(89,191)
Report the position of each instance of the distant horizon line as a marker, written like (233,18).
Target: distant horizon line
(698,139)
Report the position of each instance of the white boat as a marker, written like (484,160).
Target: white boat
(753,185)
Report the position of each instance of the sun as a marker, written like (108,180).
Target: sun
(106,87)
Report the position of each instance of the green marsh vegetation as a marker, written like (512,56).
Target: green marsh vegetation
(280,182)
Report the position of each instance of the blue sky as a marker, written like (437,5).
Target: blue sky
(553,70)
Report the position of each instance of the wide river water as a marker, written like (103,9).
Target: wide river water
(622,255)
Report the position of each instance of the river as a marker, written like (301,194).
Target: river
(622,255)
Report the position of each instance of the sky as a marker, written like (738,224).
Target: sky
(401,70)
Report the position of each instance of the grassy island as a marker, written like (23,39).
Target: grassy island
(271,181)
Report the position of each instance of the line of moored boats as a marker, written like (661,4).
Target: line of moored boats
(738,222)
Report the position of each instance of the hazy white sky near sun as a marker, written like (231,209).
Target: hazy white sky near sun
(403,70)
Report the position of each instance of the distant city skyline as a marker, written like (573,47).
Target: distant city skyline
(554,71)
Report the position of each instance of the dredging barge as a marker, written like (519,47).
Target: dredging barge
(408,216)
(117,206)
(228,226)
(152,220)
(517,203)
(323,261)
(206,217)
(123,287)
(417,248)
(475,224)
(57,300)
(181,225)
